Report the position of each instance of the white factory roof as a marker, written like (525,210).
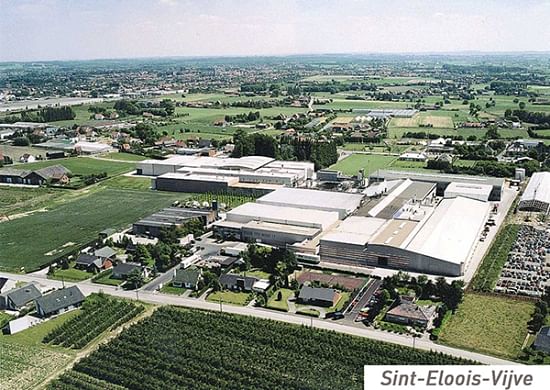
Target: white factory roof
(354,230)
(452,230)
(468,190)
(281,228)
(212,178)
(342,202)
(538,188)
(248,162)
(282,214)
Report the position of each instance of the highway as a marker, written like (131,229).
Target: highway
(154,297)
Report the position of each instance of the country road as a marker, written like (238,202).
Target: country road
(88,288)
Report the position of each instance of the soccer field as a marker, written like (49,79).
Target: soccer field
(35,240)
(370,162)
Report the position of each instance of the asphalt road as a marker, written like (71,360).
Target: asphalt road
(164,299)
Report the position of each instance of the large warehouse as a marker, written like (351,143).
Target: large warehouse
(202,174)
(341,202)
(440,242)
(537,194)
(441,180)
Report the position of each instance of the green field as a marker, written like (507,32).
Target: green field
(282,305)
(124,156)
(82,166)
(370,163)
(489,324)
(14,199)
(128,183)
(231,297)
(72,223)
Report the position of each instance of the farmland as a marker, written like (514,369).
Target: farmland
(17,198)
(488,324)
(268,355)
(72,222)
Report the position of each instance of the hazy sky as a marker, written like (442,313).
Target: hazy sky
(84,29)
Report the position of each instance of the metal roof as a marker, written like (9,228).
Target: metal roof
(538,188)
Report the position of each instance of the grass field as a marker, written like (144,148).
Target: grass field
(14,199)
(234,298)
(68,225)
(84,165)
(489,324)
(370,163)
(71,274)
(169,289)
(128,183)
(124,156)
(105,278)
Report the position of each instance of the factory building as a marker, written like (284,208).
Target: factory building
(171,216)
(441,180)
(440,242)
(469,190)
(340,202)
(537,194)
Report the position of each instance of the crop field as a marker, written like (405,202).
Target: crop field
(74,222)
(369,162)
(18,198)
(437,121)
(257,354)
(84,165)
(128,183)
(25,367)
(488,324)
(99,313)
(405,122)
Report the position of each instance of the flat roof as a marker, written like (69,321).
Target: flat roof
(282,214)
(469,188)
(395,200)
(452,230)
(394,232)
(313,199)
(389,174)
(193,177)
(354,230)
(281,228)
(538,188)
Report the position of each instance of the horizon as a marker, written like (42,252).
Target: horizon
(65,30)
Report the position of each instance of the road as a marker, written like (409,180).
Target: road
(164,299)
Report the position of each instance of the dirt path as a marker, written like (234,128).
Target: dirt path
(105,338)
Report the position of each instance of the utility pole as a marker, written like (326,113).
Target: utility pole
(221,308)
(137,295)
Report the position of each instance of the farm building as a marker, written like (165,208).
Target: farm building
(536,196)
(59,301)
(441,180)
(340,202)
(171,216)
(18,298)
(318,296)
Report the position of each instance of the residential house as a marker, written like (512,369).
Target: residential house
(187,278)
(18,298)
(92,263)
(318,296)
(542,342)
(106,253)
(54,174)
(407,312)
(237,282)
(123,270)
(59,301)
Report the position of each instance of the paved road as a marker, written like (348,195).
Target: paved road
(163,299)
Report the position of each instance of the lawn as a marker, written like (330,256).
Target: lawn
(70,274)
(257,273)
(282,305)
(352,164)
(4,319)
(82,166)
(128,182)
(169,289)
(344,298)
(105,278)
(308,312)
(124,156)
(489,324)
(234,298)
(73,223)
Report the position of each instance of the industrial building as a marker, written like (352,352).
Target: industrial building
(468,190)
(245,174)
(340,202)
(171,216)
(441,180)
(536,196)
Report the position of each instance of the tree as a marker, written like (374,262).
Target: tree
(142,255)
(21,141)
(521,105)
(168,106)
(492,133)
(135,278)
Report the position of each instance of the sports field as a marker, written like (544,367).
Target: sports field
(73,222)
(492,325)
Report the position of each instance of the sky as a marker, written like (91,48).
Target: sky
(39,30)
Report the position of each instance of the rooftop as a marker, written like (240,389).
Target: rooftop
(354,230)
(60,299)
(538,188)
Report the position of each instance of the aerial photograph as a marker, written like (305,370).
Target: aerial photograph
(274,194)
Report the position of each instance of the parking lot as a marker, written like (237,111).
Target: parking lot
(527,269)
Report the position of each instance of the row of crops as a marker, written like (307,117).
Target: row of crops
(77,380)
(489,270)
(98,315)
(191,349)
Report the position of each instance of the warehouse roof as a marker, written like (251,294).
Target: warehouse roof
(452,230)
(282,214)
(435,177)
(354,230)
(538,188)
(193,177)
(281,228)
(468,189)
(313,199)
